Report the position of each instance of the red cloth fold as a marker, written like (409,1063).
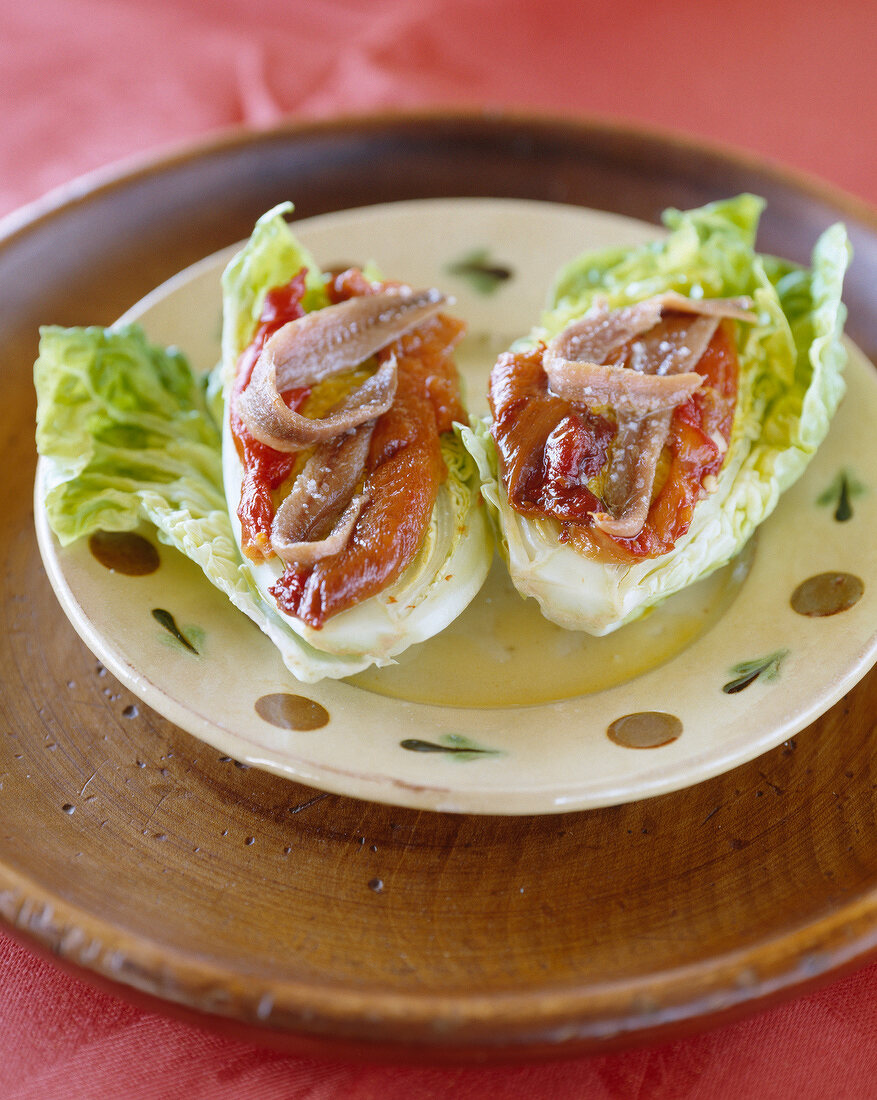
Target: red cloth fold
(86,82)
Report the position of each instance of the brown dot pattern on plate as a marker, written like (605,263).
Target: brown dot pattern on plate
(647,729)
(124,552)
(827,594)
(291,712)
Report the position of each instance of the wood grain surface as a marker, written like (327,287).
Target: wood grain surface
(139,858)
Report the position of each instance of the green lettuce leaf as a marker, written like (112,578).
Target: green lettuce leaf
(791,382)
(708,254)
(124,433)
(270,258)
(124,436)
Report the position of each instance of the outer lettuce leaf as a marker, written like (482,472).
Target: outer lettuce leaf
(708,254)
(125,436)
(791,383)
(124,432)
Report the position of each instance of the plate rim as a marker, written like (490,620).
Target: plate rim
(57,926)
(127,170)
(812,955)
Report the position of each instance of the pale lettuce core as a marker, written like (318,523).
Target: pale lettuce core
(128,433)
(790,384)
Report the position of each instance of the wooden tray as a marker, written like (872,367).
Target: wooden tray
(317,923)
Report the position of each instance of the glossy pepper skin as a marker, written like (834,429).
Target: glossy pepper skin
(264,469)
(550,448)
(403,471)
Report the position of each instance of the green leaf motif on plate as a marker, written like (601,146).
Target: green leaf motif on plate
(483,274)
(165,619)
(451,744)
(840,494)
(747,672)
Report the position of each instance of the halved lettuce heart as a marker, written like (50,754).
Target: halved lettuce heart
(790,385)
(453,561)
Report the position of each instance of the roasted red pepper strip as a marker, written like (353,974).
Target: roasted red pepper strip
(264,469)
(548,446)
(403,473)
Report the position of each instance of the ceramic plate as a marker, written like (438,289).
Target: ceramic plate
(504,713)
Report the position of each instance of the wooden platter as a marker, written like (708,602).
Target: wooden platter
(141,859)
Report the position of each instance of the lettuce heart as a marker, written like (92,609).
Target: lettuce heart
(790,384)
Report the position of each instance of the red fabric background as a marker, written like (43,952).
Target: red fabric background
(86,82)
